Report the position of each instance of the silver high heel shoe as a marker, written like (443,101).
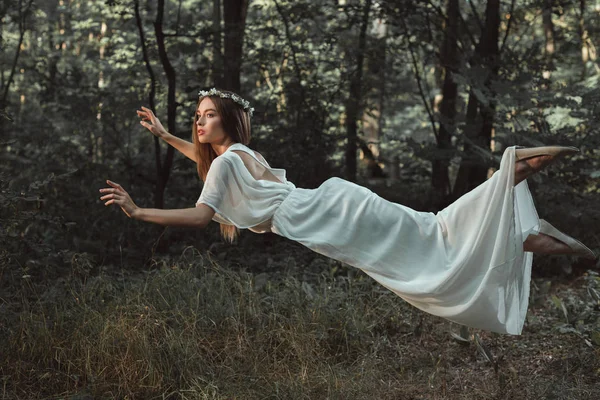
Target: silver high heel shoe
(578,248)
(553,151)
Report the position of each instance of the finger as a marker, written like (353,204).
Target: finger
(114,184)
(113,195)
(113,201)
(117,188)
(109,190)
(147,125)
(149,111)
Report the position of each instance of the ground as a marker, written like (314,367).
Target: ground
(298,326)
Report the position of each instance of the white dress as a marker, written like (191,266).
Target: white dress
(466,263)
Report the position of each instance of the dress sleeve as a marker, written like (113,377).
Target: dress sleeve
(218,191)
(236,197)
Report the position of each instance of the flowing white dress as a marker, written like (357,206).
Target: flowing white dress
(466,263)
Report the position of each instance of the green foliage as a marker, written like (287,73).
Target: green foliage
(20,239)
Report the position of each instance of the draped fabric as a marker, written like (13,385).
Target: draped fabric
(465,263)
(236,196)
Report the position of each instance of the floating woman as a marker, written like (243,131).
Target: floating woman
(469,263)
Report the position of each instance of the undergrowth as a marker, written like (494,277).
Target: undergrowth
(189,328)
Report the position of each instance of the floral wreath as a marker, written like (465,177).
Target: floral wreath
(214,92)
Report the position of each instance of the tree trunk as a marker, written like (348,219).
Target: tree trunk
(449,60)
(234,15)
(165,171)
(586,45)
(549,35)
(354,98)
(23,14)
(217,64)
(480,117)
(151,95)
(372,118)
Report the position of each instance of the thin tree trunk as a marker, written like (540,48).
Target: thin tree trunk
(585,40)
(217,67)
(372,118)
(297,70)
(355,96)
(480,117)
(152,94)
(449,59)
(164,173)
(234,15)
(22,29)
(549,35)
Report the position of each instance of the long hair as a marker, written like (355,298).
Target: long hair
(236,124)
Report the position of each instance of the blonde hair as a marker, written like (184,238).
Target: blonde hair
(236,125)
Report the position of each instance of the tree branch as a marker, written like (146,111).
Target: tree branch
(512,7)
(22,30)
(151,95)
(419,84)
(293,50)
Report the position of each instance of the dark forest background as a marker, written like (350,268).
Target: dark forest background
(414,99)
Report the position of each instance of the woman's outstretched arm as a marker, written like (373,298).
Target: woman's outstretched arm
(197,217)
(152,123)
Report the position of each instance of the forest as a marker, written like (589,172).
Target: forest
(415,100)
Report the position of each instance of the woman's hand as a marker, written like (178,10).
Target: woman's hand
(118,195)
(150,122)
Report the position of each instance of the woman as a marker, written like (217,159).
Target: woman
(469,263)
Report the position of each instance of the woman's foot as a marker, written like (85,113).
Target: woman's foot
(544,244)
(531,160)
(552,241)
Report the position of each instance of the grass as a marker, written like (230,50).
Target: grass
(190,328)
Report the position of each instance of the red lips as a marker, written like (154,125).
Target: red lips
(201,131)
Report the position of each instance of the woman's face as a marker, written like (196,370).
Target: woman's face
(208,123)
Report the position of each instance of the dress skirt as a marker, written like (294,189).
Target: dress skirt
(466,263)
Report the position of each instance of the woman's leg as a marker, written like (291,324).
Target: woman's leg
(544,244)
(526,168)
(531,160)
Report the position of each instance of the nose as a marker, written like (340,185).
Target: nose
(200,121)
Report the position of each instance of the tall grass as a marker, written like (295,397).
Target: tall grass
(190,329)
(194,330)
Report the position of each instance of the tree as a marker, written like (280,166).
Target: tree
(23,12)
(234,15)
(440,180)
(353,103)
(217,53)
(481,104)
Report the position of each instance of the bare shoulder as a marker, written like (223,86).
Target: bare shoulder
(260,157)
(250,163)
(256,169)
